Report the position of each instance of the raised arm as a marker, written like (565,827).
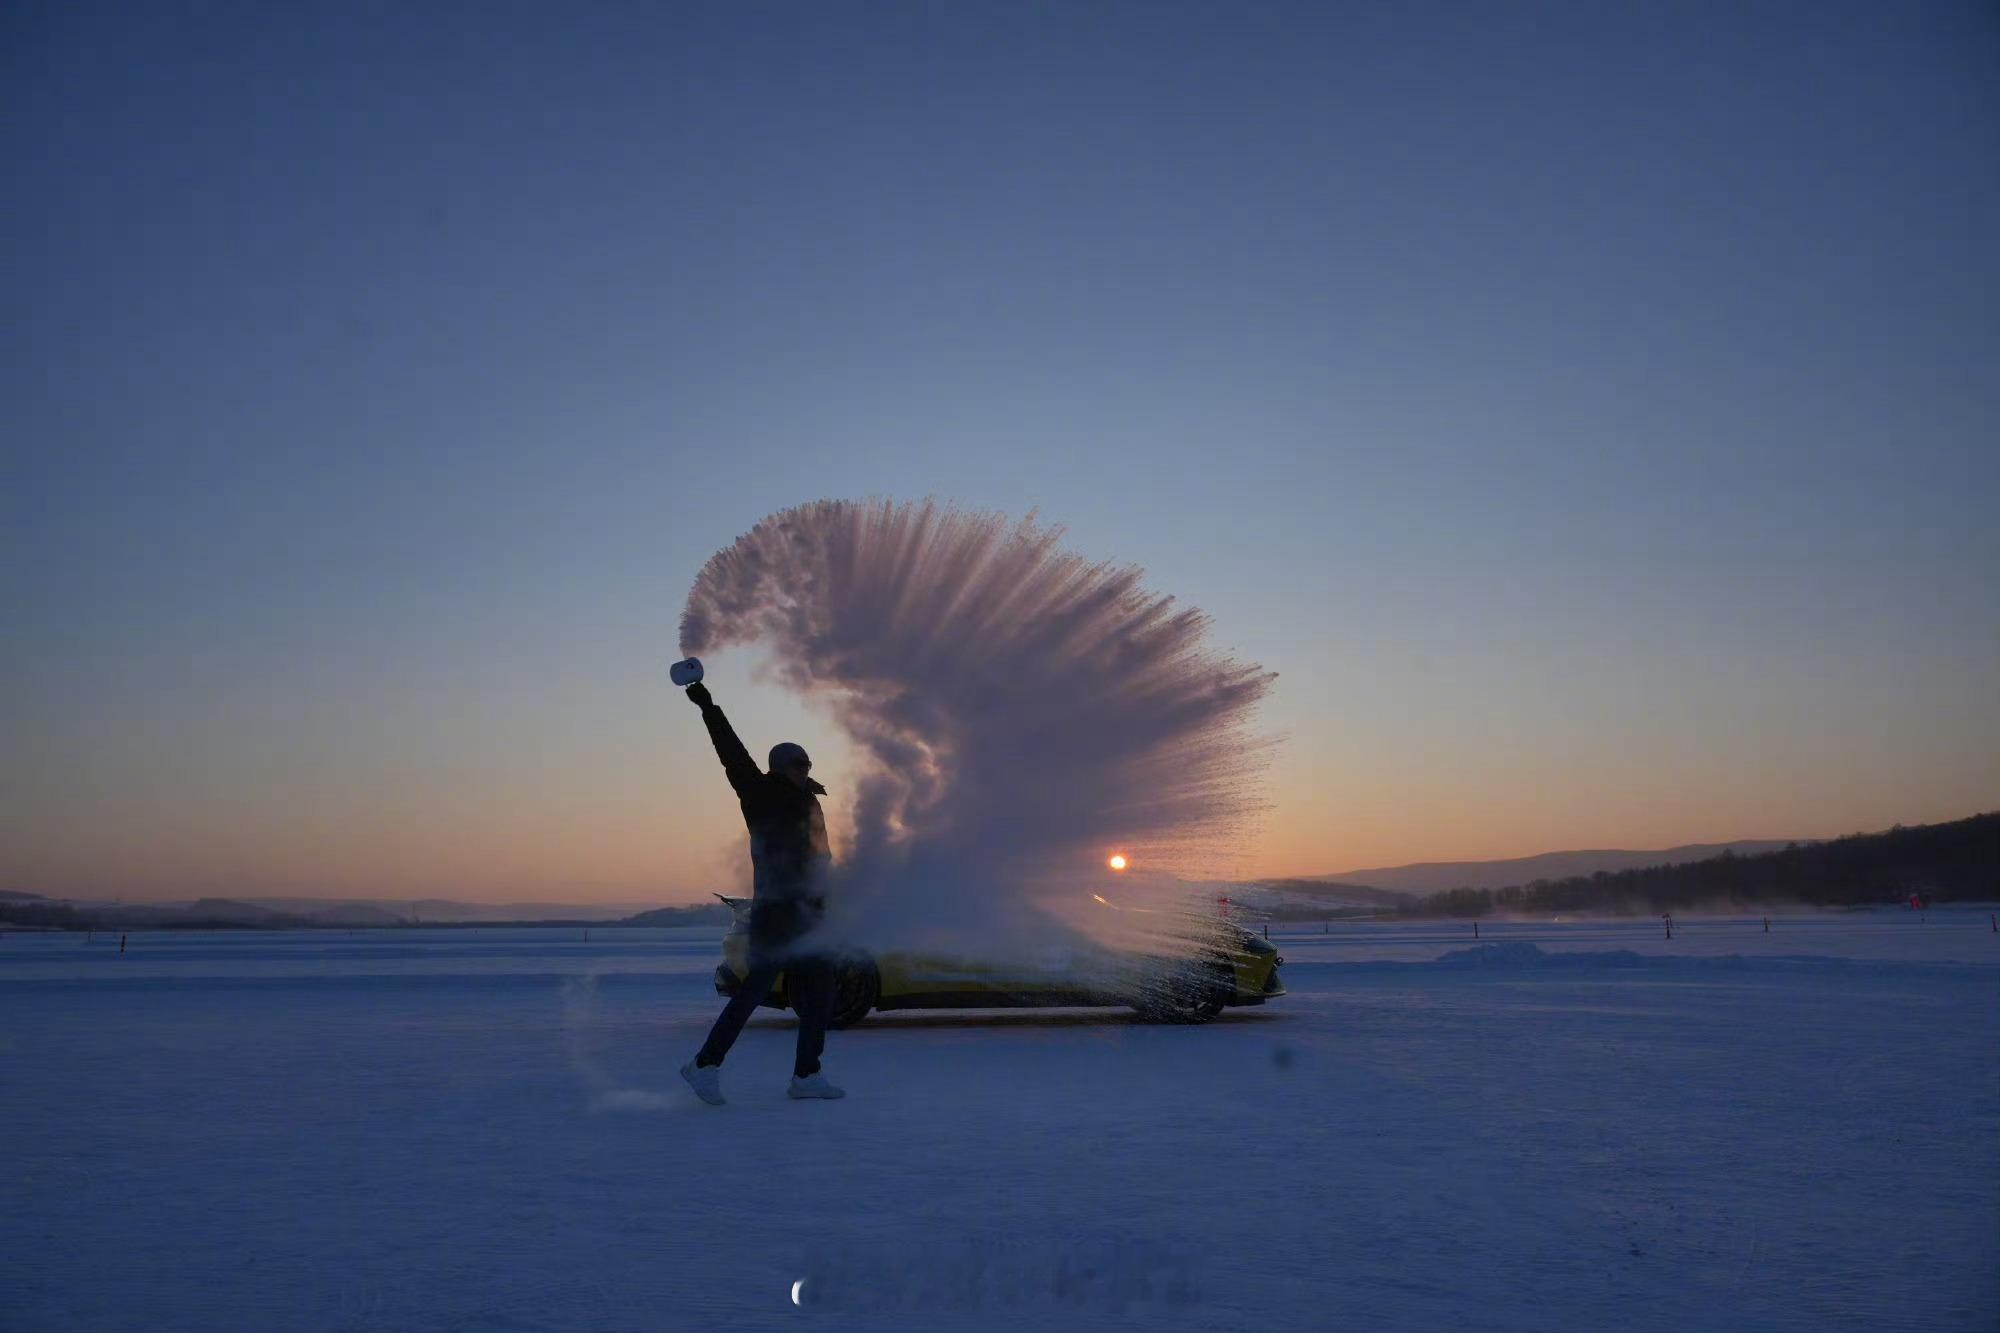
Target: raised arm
(737,764)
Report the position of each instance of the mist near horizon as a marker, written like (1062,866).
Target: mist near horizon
(1020,713)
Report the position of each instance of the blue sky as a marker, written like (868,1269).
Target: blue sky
(1589,410)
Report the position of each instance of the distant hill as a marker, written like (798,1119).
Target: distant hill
(437,911)
(696,914)
(1430,876)
(1314,899)
(235,910)
(357,914)
(1955,861)
(442,911)
(25,909)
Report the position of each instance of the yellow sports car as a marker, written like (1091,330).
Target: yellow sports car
(1233,968)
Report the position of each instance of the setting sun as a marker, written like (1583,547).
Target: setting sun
(1117,862)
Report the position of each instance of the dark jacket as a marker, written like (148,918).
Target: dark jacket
(788,847)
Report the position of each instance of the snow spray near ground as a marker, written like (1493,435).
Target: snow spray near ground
(579,1001)
(1020,713)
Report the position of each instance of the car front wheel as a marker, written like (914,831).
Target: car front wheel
(1190,997)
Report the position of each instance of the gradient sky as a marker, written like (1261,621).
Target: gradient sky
(1589,409)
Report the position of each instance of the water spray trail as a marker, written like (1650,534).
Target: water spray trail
(579,1001)
(1019,712)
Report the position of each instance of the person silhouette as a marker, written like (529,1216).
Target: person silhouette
(789,858)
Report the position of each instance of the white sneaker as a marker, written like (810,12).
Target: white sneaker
(813,1086)
(706,1080)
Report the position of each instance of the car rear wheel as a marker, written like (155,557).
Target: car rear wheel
(1191,996)
(857,985)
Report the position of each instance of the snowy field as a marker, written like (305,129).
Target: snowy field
(1566,1126)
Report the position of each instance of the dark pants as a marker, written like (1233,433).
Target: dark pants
(808,984)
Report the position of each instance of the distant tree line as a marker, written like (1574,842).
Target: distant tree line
(49,915)
(45,916)
(1940,862)
(25,911)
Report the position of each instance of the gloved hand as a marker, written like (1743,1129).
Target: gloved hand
(699,693)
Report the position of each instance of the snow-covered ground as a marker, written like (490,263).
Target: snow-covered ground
(1575,1125)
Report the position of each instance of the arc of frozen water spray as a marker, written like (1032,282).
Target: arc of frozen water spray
(1017,710)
